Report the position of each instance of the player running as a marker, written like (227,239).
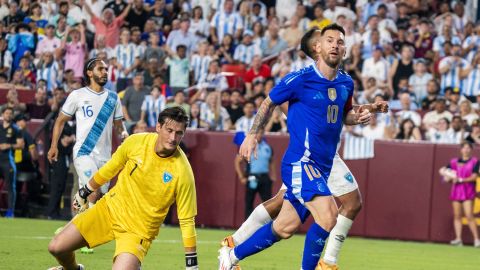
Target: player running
(319,96)
(154,173)
(95,109)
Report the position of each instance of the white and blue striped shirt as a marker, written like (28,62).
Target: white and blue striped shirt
(244,53)
(244,124)
(471,40)
(226,23)
(152,108)
(126,55)
(438,43)
(199,66)
(452,77)
(94,53)
(472,83)
(51,74)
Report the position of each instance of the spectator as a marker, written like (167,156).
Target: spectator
(214,80)
(133,99)
(375,67)
(138,15)
(320,21)
(14,16)
(453,98)
(235,108)
(277,122)
(6,58)
(27,68)
(50,43)
(257,70)
(283,62)
(408,131)
(212,115)
(471,44)
(441,39)
(161,15)
(195,121)
(258,33)
(374,130)
(224,22)
(258,13)
(62,15)
(245,122)
(49,70)
(292,34)
(272,43)
(75,50)
(61,27)
(333,11)
(441,133)
(21,44)
(432,117)
(154,50)
(402,68)
(182,37)
(179,69)
(407,111)
(472,82)
(423,39)
(198,25)
(118,6)
(247,49)
(302,61)
(467,113)
(419,80)
(152,105)
(245,11)
(457,129)
(39,108)
(59,97)
(19,81)
(100,47)
(453,69)
(179,101)
(384,36)
(462,194)
(128,58)
(69,81)
(428,103)
(200,62)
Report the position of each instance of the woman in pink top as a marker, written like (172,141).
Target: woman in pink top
(462,172)
(75,50)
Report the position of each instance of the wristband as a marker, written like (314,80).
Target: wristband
(191,259)
(84,192)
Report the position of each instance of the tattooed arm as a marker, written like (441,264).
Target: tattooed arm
(249,145)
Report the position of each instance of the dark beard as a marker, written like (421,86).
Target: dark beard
(99,80)
(331,64)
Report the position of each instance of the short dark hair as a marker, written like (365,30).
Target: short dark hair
(4,109)
(306,42)
(181,46)
(249,102)
(176,114)
(334,27)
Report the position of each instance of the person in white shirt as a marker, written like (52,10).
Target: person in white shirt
(467,113)
(471,45)
(472,82)
(406,112)
(182,36)
(375,67)
(213,115)
(431,118)
(333,11)
(441,132)
(200,62)
(226,21)
(152,106)
(247,49)
(418,81)
(245,122)
(457,129)
(128,58)
(385,23)
(454,69)
(213,80)
(374,130)
(96,110)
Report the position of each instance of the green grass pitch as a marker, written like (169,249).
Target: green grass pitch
(23,245)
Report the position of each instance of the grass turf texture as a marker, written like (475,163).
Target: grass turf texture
(23,245)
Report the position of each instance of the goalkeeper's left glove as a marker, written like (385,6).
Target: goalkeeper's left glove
(191,261)
(80,202)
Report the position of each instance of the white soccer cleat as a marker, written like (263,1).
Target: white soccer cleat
(80,267)
(224,261)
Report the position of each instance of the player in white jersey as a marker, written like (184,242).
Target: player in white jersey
(95,109)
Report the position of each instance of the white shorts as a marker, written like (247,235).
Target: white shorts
(341,181)
(86,167)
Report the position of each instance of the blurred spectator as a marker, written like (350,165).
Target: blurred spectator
(284,62)
(179,69)
(151,107)
(375,67)
(333,11)
(133,99)
(374,130)
(214,80)
(457,128)
(6,58)
(154,50)
(19,81)
(59,97)
(423,39)
(12,102)
(453,98)
(27,68)
(354,63)
(258,33)
(401,69)
(352,38)
(195,121)
(302,61)
(428,103)
(182,37)
(199,26)
(235,109)
(257,70)
(370,92)
(139,127)
(442,38)
(245,122)
(138,15)
(49,70)
(128,58)
(162,15)
(69,81)
(39,108)
(467,113)
(453,69)
(272,43)
(284,9)
(432,117)
(50,43)
(200,62)
(385,23)
(75,50)
(179,100)
(301,13)
(320,21)
(472,82)
(471,45)
(408,131)
(212,115)
(474,136)
(62,16)
(245,51)
(14,16)
(441,133)
(21,44)
(407,111)
(292,34)
(419,80)
(277,122)
(226,21)
(152,69)
(372,29)
(100,47)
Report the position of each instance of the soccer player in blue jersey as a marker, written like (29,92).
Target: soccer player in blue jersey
(320,101)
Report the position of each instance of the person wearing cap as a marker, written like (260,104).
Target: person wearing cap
(50,43)
(375,67)
(182,36)
(247,49)
(431,118)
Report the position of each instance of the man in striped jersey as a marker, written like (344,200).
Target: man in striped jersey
(472,82)
(247,49)
(226,21)
(49,70)
(128,58)
(454,69)
(200,62)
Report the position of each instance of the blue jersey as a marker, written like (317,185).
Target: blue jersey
(315,114)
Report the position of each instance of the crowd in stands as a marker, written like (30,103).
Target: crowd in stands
(422,57)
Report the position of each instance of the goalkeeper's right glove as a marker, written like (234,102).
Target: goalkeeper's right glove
(80,202)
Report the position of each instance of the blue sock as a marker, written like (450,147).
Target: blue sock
(314,243)
(263,238)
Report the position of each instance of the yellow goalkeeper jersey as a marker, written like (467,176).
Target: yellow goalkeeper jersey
(147,186)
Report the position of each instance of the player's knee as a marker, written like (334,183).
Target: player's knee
(353,208)
(54,247)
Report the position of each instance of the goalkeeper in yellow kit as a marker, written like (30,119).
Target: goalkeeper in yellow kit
(154,173)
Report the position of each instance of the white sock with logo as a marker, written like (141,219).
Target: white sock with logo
(255,221)
(336,239)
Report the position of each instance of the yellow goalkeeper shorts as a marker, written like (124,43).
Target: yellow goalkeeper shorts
(96,226)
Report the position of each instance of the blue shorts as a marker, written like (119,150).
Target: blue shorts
(304,181)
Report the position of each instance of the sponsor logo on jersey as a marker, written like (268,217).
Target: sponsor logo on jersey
(349,177)
(332,94)
(167,177)
(88,173)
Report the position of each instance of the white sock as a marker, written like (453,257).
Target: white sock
(257,219)
(336,239)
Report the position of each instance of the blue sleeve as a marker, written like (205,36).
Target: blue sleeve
(283,91)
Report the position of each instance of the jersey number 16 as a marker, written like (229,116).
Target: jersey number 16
(332,114)
(87,111)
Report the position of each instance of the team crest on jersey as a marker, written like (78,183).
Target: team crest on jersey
(332,94)
(88,173)
(167,177)
(349,177)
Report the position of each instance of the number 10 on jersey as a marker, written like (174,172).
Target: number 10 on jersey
(332,114)
(87,111)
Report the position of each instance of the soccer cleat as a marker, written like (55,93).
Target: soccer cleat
(456,242)
(86,250)
(80,267)
(476,243)
(225,263)
(322,265)
(228,242)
